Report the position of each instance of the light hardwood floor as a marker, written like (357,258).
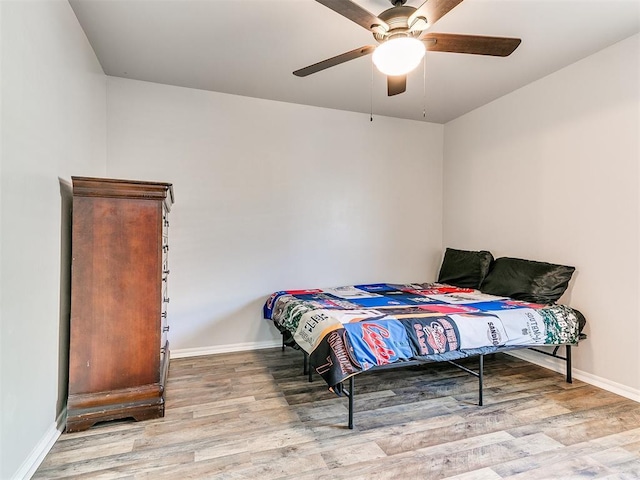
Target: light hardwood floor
(253,415)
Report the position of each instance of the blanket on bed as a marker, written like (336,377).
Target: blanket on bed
(347,330)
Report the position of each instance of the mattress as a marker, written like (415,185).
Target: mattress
(350,329)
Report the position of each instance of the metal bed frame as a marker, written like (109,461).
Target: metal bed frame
(350,392)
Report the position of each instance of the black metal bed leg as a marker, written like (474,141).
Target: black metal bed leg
(568,355)
(305,365)
(306,369)
(480,378)
(351,394)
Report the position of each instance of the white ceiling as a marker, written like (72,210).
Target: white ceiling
(250,48)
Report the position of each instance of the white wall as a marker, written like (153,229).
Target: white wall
(270,196)
(551,172)
(53,112)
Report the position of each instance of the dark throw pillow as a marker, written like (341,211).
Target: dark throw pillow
(536,282)
(464,268)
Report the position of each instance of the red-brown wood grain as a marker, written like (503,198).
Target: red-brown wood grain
(116,360)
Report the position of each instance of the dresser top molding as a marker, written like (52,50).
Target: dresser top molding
(115,188)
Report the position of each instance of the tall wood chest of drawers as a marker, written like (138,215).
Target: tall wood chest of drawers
(118,352)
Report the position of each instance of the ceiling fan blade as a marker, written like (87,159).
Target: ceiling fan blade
(355,13)
(333,61)
(396,84)
(433,10)
(472,44)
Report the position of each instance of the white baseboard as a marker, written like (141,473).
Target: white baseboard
(35,458)
(560,367)
(234,347)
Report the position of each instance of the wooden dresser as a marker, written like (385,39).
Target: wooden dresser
(119,353)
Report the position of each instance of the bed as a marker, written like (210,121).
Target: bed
(478,306)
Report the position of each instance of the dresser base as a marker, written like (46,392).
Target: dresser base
(140,403)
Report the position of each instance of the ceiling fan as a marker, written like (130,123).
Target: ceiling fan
(401,32)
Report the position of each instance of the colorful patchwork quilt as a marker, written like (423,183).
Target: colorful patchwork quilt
(347,330)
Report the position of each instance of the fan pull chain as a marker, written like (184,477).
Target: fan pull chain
(424,87)
(371,96)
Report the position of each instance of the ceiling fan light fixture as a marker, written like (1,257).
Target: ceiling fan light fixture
(398,56)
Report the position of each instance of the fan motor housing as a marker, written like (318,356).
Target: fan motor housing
(398,20)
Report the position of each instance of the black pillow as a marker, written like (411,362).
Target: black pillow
(464,268)
(536,282)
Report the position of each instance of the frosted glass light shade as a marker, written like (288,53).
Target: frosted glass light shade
(398,56)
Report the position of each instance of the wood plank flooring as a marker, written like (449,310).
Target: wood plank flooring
(253,415)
